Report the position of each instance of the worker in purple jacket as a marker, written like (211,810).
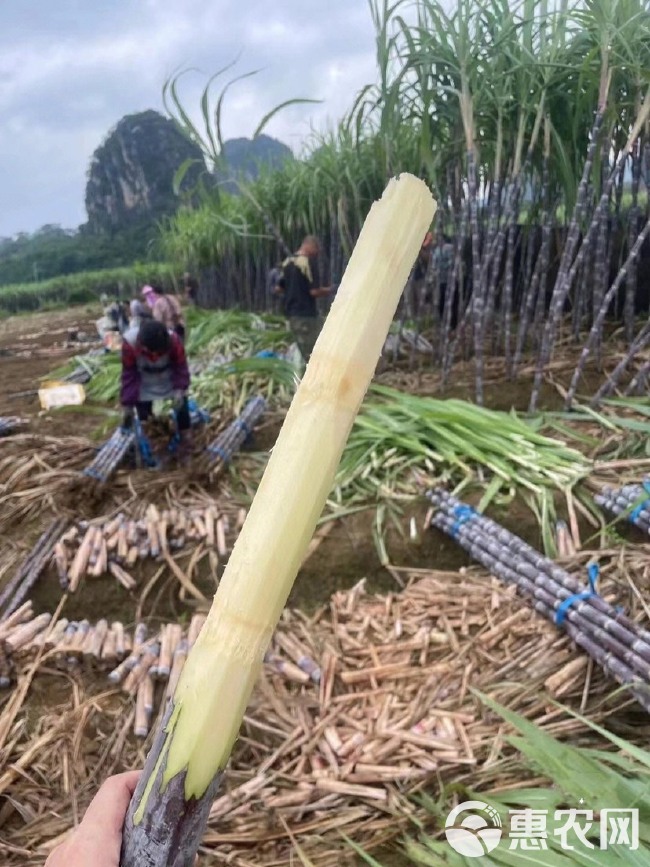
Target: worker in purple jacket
(154,367)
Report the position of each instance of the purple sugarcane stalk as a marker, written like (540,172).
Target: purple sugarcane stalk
(560,289)
(602,313)
(642,340)
(478,300)
(633,219)
(170,831)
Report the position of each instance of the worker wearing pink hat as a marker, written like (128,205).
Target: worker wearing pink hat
(149,294)
(165,309)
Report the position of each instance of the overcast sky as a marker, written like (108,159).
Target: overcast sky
(70,69)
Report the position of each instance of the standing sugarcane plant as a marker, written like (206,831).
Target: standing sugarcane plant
(525,117)
(183,771)
(599,319)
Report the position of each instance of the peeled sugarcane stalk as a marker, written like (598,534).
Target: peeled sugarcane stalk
(196,625)
(127,665)
(118,631)
(565,545)
(101,563)
(222,548)
(127,581)
(288,669)
(78,641)
(182,773)
(101,631)
(303,661)
(20,615)
(51,640)
(148,659)
(141,723)
(26,632)
(108,652)
(178,663)
(80,562)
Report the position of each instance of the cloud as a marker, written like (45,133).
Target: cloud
(70,70)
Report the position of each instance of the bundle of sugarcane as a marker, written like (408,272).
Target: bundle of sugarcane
(108,546)
(612,640)
(110,455)
(8,424)
(630,501)
(31,568)
(232,438)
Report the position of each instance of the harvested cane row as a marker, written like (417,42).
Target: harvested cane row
(116,545)
(357,708)
(137,662)
(632,501)
(609,637)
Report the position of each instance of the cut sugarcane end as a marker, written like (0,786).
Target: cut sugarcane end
(224,664)
(212,702)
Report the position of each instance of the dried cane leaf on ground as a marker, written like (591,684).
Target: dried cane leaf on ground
(394,714)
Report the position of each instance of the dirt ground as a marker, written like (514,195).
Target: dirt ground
(31,347)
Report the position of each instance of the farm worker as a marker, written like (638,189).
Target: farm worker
(112,321)
(299,287)
(139,312)
(165,308)
(98,838)
(154,367)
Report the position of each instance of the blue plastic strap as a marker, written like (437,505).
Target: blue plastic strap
(463,515)
(592,573)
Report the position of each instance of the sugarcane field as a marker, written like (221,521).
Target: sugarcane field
(330,516)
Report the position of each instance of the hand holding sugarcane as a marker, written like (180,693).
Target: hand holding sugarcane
(98,838)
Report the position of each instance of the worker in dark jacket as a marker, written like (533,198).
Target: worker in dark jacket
(154,367)
(299,286)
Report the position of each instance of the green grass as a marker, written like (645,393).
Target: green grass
(87,286)
(400,439)
(616,776)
